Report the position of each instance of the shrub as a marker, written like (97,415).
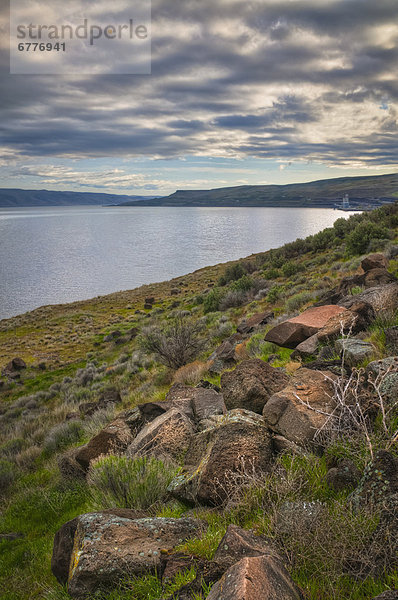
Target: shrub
(232,273)
(233,299)
(122,482)
(298,300)
(289,269)
(271,274)
(176,344)
(62,436)
(358,240)
(244,284)
(211,302)
(275,293)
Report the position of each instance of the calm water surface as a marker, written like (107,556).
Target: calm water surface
(55,255)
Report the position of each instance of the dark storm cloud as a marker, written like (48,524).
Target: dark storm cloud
(312,80)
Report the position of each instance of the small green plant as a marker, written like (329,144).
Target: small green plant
(122,482)
(211,302)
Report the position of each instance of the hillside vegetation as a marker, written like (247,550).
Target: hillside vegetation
(194,401)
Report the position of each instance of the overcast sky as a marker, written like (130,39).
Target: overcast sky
(241,91)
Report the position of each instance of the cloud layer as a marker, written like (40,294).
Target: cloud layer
(302,80)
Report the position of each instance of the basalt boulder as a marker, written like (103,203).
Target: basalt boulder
(301,408)
(109,548)
(253,578)
(167,437)
(114,438)
(240,440)
(251,384)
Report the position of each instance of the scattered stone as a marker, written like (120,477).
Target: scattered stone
(239,440)
(255,322)
(207,403)
(345,476)
(167,437)
(147,306)
(111,337)
(253,578)
(374,261)
(150,300)
(16,364)
(114,438)
(133,332)
(383,366)
(62,550)
(175,292)
(251,384)
(297,411)
(103,548)
(292,332)
(355,351)
(326,353)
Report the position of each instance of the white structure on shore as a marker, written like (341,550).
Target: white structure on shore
(346,202)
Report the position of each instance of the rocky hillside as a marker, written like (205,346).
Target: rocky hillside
(230,434)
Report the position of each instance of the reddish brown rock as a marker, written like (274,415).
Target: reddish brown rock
(251,384)
(240,440)
(374,261)
(239,543)
(114,438)
(292,332)
(106,548)
(167,437)
(290,412)
(255,578)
